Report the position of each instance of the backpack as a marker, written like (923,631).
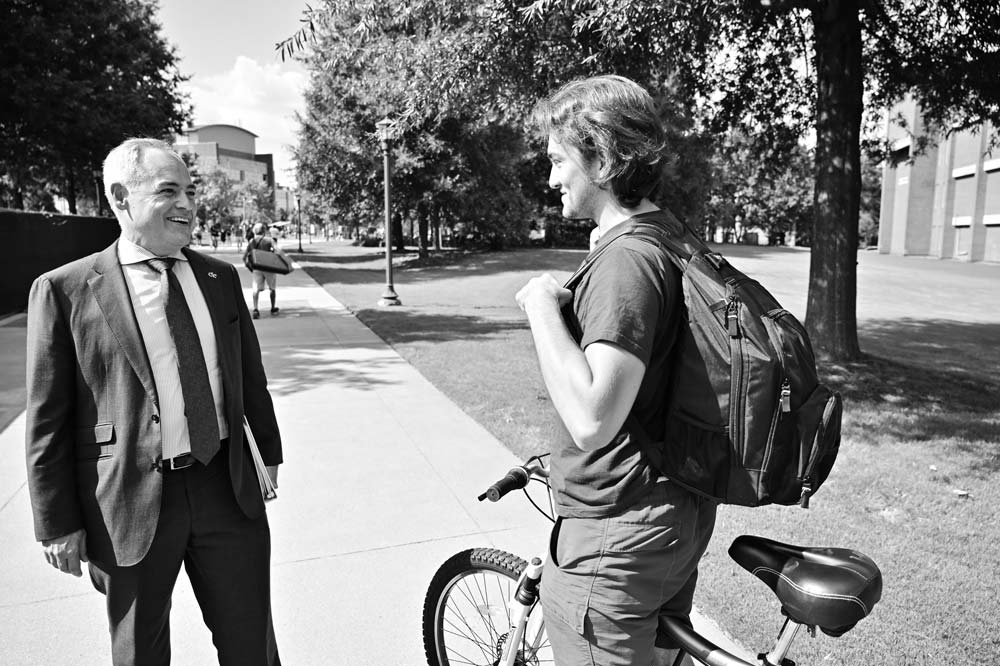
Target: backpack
(747,420)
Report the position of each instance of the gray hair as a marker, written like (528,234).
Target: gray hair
(124,163)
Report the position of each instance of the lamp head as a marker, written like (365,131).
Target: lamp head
(383,129)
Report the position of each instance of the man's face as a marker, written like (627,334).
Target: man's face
(159,208)
(571,175)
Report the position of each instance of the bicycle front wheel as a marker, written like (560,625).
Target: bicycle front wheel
(467,616)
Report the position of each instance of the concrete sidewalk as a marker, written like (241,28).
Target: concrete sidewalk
(378,488)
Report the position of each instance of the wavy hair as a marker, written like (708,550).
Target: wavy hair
(614,121)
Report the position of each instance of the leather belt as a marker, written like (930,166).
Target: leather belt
(185,460)
(182,461)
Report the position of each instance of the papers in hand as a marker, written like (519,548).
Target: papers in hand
(267,488)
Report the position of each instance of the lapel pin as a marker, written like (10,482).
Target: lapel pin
(212,275)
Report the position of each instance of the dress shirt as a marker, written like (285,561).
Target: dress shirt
(147,302)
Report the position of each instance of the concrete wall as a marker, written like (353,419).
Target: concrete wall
(38,242)
(230,136)
(944,202)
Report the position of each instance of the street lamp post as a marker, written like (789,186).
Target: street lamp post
(97,190)
(383,129)
(298,208)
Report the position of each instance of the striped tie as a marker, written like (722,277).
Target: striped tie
(199,405)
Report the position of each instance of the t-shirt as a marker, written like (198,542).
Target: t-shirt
(629,297)
(263,243)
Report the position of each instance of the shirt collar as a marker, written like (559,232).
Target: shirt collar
(130,253)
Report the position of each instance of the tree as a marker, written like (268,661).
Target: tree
(217,195)
(78,78)
(461,153)
(773,69)
(776,66)
(450,161)
(256,197)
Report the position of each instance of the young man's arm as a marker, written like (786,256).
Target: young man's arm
(593,389)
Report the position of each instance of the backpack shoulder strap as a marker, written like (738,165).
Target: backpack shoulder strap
(674,236)
(678,239)
(575,278)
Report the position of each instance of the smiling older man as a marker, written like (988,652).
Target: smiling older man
(142,361)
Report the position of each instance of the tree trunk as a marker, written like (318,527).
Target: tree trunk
(437,229)
(71,190)
(831,317)
(422,225)
(397,233)
(16,190)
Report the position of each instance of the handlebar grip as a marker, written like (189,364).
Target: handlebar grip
(515,479)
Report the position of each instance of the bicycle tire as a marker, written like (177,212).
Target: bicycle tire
(466,616)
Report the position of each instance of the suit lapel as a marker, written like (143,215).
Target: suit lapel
(112,296)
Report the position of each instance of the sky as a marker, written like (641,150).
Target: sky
(237,78)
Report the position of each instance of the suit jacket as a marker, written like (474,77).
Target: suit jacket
(93,432)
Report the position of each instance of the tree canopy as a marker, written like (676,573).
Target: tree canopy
(769,72)
(78,78)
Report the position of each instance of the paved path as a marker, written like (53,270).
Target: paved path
(378,487)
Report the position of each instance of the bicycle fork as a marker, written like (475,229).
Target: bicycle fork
(523,601)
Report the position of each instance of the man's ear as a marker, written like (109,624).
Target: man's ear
(119,196)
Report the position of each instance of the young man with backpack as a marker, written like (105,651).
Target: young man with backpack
(626,545)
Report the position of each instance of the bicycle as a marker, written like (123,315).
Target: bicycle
(482,605)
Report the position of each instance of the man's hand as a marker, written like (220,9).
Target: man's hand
(272,471)
(542,289)
(66,552)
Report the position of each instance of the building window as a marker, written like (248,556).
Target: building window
(965,201)
(991,210)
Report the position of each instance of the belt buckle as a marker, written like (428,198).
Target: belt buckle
(182,461)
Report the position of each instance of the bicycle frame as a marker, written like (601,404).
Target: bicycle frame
(525,597)
(832,604)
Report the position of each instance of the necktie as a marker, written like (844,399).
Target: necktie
(199,405)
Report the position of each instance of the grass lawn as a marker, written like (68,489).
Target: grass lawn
(915,486)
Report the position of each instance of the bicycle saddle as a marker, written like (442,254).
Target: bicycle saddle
(831,588)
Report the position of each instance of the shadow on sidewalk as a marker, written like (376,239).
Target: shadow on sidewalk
(295,369)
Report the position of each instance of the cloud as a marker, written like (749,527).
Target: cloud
(260,98)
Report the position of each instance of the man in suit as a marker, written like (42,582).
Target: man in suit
(142,362)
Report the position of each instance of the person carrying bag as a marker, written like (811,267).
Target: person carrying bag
(266,261)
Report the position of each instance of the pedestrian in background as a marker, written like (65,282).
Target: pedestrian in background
(141,364)
(264,278)
(215,231)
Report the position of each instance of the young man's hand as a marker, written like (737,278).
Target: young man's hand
(542,290)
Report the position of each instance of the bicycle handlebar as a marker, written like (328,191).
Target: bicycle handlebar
(515,479)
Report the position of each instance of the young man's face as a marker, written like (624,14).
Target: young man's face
(574,178)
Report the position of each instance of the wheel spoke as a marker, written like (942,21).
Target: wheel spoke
(473,617)
(474,591)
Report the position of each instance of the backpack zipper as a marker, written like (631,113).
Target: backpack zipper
(736,398)
(782,404)
(807,479)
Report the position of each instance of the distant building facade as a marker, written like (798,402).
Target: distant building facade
(946,203)
(229,148)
